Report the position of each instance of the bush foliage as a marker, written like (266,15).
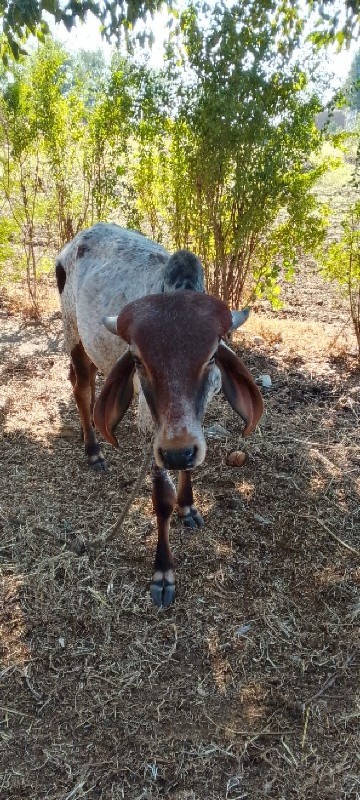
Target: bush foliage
(211,153)
(217,152)
(342,264)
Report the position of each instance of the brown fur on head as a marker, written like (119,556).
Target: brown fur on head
(174,347)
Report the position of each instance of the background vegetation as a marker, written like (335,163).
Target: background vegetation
(334,20)
(218,151)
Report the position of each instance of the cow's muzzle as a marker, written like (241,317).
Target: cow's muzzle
(178,459)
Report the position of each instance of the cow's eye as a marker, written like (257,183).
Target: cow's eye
(137,362)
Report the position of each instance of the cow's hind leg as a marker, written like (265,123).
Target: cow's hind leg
(72,378)
(185,502)
(82,377)
(162,588)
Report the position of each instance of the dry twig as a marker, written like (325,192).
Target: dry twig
(110,534)
(332,534)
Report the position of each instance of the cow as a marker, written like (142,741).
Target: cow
(144,319)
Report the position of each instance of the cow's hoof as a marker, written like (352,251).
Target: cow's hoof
(97,463)
(162,589)
(193,519)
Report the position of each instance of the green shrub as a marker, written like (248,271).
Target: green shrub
(342,264)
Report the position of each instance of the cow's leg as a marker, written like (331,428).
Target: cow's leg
(82,377)
(185,502)
(162,588)
(93,374)
(72,378)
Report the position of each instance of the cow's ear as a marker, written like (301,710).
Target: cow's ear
(239,388)
(115,398)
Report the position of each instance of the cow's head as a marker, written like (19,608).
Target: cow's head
(176,350)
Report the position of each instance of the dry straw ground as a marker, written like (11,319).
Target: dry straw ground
(248,687)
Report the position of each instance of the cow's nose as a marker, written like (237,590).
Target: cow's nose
(178,459)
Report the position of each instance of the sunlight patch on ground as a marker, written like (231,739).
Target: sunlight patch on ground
(220,665)
(296,337)
(246,489)
(323,461)
(330,576)
(13,649)
(224,550)
(252,699)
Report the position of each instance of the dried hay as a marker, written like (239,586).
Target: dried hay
(248,687)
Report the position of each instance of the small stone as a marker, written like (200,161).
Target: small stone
(258,340)
(265,381)
(217,431)
(243,629)
(236,458)
(62,642)
(262,520)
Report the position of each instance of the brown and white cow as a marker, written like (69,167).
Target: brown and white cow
(143,319)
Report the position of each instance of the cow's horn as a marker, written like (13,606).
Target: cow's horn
(239,317)
(111,324)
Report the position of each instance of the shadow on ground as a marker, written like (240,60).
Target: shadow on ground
(246,686)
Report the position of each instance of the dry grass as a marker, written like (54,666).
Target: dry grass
(248,687)
(14,296)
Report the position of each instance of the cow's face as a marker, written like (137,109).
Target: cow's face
(174,340)
(174,349)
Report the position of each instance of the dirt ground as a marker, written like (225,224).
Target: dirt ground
(248,686)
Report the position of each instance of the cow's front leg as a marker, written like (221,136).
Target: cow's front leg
(185,501)
(162,588)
